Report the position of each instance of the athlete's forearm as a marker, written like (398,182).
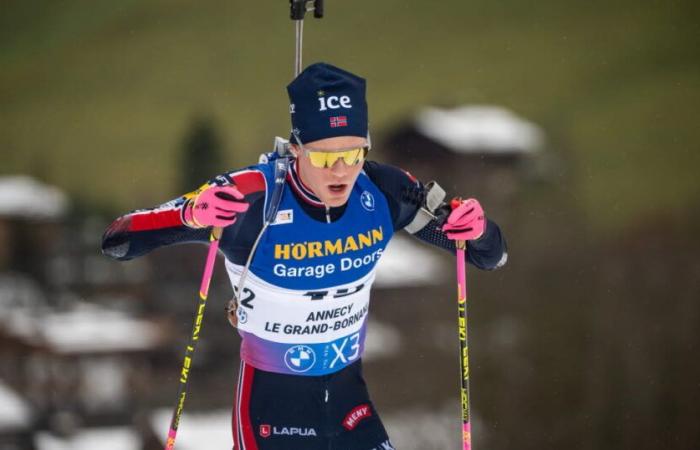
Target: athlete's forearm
(488,252)
(139,232)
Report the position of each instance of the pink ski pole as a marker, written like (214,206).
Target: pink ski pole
(463,343)
(196,327)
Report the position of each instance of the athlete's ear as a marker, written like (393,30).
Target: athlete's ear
(295,150)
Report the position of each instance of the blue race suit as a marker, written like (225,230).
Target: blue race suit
(303,310)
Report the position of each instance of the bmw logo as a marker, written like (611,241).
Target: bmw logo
(367,201)
(242,315)
(300,358)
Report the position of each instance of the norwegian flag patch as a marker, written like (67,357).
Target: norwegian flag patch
(339,121)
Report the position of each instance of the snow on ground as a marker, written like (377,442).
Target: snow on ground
(87,328)
(480,129)
(412,428)
(210,430)
(14,411)
(117,438)
(406,264)
(420,429)
(98,330)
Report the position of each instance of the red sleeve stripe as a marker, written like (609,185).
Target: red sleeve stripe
(155,220)
(249,182)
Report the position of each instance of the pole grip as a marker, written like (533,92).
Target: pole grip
(297,9)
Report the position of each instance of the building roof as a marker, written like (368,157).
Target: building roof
(479,129)
(24,197)
(85,329)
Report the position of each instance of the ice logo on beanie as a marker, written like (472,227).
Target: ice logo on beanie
(333,101)
(367,201)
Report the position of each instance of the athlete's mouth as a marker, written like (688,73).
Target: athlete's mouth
(337,188)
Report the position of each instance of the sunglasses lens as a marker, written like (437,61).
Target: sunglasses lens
(328,159)
(318,159)
(350,157)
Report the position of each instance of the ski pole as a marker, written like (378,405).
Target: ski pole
(214,238)
(298,9)
(463,342)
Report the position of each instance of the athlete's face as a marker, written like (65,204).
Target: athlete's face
(332,185)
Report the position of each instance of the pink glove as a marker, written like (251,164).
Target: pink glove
(215,206)
(466,221)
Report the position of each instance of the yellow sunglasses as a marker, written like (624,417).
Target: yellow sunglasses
(323,159)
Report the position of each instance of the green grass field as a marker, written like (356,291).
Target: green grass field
(96,96)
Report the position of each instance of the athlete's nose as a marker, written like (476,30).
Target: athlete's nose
(339,168)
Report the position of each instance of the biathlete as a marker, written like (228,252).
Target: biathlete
(302,310)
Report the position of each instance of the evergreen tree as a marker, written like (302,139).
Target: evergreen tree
(201,154)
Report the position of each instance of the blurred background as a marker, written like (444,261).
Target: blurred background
(575,123)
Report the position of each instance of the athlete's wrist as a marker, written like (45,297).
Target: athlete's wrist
(187,216)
